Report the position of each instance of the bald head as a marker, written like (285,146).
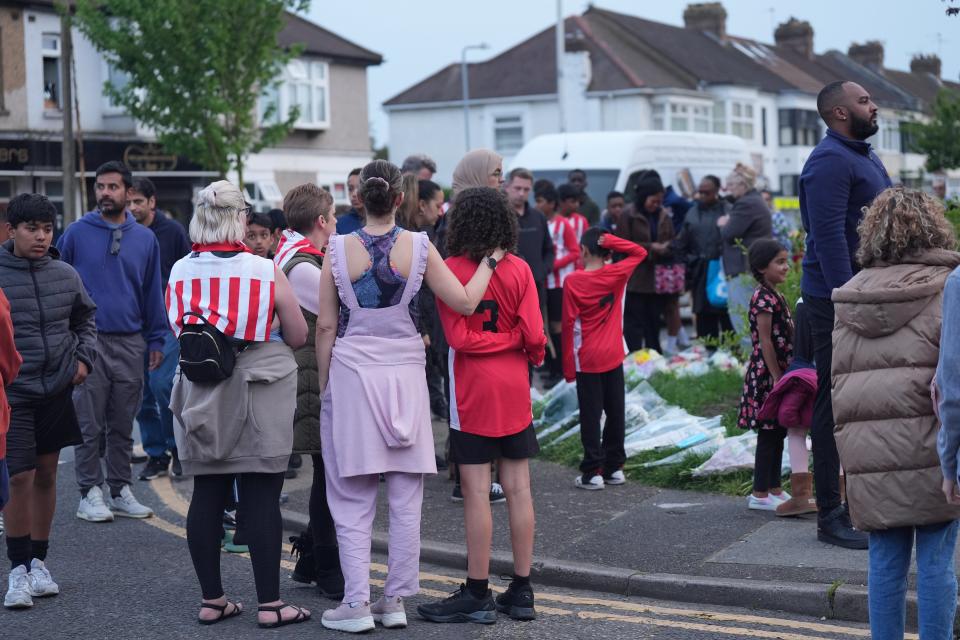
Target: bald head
(848,109)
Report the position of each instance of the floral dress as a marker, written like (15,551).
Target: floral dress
(758,382)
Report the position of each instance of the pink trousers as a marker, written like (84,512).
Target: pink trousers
(353,504)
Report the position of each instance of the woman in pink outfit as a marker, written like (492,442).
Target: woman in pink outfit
(376,408)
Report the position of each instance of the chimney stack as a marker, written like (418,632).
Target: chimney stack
(706,16)
(869,54)
(797,35)
(926,64)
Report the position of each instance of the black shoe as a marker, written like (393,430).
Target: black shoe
(834,527)
(296,460)
(175,469)
(462,606)
(517,602)
(302,547)
(155,468)
(330,584)
(229,519)
(457,495)
(496,493)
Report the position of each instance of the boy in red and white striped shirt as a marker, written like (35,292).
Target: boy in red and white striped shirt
(567,247)
(593,352)
(569,204)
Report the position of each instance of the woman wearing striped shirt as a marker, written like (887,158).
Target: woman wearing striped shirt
(239,427)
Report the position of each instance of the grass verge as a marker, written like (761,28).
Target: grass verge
(716,393)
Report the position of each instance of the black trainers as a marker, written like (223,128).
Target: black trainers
(834,527)
(302,548)
(517,602)
(155,468)
(462,606)
(496,493)
(457,495)
(175,469)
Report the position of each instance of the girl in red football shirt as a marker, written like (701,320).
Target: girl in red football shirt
(490,409)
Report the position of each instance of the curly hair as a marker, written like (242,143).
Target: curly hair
(901,222)
(480,222)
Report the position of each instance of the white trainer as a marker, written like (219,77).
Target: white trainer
(782,497)
(617,477)
(352,617)
(18,589)
(92,507)
(762,504)
(40,580)
(589,482)
(389,612)
(127,506)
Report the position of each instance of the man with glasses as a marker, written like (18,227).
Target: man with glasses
(119,263)
(155,418)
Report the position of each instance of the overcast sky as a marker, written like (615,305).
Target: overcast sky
(420,37)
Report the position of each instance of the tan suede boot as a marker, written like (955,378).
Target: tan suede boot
(802,501)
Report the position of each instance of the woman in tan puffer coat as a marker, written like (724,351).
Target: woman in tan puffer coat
(886,343)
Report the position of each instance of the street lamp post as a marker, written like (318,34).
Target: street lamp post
(466,89)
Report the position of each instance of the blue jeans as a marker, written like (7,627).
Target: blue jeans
(936,580)
(155,418)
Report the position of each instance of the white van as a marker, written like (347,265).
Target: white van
(612,159)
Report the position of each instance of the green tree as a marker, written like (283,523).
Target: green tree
(196,70)
(939,139)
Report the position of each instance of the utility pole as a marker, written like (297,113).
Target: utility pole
(68,151)
(561,47)
(465,88)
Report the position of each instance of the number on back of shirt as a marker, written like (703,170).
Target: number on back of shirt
(489,324)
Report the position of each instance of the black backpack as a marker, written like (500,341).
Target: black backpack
(206,354)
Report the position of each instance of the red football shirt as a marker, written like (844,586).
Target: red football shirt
(592,335)
(490,350)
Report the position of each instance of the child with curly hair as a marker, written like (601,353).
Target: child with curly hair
(490,411)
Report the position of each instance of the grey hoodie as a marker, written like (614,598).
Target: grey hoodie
(53,322)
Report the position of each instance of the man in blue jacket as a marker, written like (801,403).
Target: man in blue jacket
(155,418)
(119,263)
(841,177)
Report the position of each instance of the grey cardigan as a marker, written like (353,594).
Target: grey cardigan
(242,424)
(750,220)
(53,320)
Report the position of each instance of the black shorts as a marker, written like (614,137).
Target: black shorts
(554,305)
(469,448)
(40,427)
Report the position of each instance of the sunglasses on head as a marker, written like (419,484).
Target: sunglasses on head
(115,245)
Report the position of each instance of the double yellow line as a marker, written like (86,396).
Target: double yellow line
(585,608)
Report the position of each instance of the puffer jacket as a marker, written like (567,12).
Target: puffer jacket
(306,419)
(886,343)
(790,402)
(54,322)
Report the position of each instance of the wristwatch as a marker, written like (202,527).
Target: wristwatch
(492,263)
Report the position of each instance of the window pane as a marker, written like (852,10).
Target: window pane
(51,83)
(321,104)
(508,134)
(53,188)
(6,189)
(748,131)
(658,123)
(748,110)
(737,109)
(50,43)
(701,125)
(679,124)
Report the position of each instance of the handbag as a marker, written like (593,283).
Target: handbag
(716,284)
(206,354)
(669,278)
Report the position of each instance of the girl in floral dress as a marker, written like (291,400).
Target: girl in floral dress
(771,331)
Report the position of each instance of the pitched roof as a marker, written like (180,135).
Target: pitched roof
(319,41)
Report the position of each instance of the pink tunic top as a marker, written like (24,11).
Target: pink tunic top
(376,407)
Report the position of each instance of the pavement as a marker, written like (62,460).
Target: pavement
(134,579)
(643,541)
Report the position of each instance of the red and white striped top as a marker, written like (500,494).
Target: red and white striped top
(567,249)
(579,224)
(292,242)
(235,294)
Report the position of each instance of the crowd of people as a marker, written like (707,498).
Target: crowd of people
(254,338)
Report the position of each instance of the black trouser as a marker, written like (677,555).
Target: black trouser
(321,526)
(438,398)
(826,461)
(262,527)
(600,393)
(642,320)
(712,322)
(769,461)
